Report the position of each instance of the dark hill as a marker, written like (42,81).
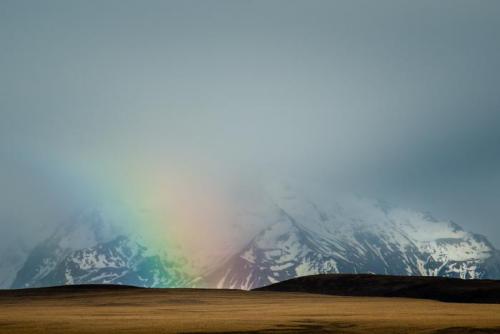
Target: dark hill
(66,289)
(437,288)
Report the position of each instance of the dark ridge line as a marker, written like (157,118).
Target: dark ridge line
(69,288)
(443,289)
(356,285)
(93,288)
(90,286)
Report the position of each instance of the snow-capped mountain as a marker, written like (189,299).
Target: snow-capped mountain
(355,235)
(91,250)
(301,235)
(85,229)
(119,261)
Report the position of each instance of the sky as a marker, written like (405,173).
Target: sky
(179,101)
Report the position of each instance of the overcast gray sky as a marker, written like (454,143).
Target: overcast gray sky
(398,100)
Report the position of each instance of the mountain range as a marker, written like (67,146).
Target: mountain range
(355,235)
(306,235)
(89,250)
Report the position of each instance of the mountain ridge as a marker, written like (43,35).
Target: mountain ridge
(356,237)
(305,236)
(89,249)
(443,289)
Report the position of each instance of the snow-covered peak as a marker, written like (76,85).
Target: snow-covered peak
(351,234)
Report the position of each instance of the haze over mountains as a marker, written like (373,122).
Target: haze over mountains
(166,106)
(356,236)
(303,234)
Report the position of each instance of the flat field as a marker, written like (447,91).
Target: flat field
(231,311)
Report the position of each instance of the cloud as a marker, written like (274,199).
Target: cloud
(395,99)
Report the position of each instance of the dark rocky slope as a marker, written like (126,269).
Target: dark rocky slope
(437,288)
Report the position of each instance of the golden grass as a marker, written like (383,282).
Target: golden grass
(201,311)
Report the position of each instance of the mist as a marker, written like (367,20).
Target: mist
(201,104)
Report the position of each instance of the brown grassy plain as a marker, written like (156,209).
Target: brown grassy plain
(226,311)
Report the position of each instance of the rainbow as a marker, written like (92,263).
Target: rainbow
(172,210)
